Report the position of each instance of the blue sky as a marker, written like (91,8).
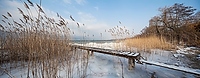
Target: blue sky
(98,15)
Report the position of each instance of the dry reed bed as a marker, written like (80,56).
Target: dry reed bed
(40,44)
(147,43)
(123,36)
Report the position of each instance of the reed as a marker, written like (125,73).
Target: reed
(119,33)
(125,42)
(39,44)
(147,43)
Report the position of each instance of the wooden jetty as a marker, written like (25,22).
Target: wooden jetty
(132,56)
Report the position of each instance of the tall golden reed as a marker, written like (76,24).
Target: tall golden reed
(39,44)
(147,43)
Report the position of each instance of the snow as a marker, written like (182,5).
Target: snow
(178,55)
(107,66)
(136,54)
(107,45)
(181,51)
(103,49)
(184,69)
(198,56)
(186,50)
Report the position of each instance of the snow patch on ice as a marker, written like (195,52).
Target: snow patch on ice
(181,51)
(106,45)
(180,68)
(187,50)
(198,56)
(178,55)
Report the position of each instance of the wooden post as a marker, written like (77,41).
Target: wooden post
(88,51)
(131,63)
(74,49)
(71,48)
(91,53)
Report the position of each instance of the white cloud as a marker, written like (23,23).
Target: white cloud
(97,8)
(67,1)
(87,17)
(93,26)
(80,1)
(11,7)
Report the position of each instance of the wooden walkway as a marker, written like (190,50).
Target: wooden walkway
(132,56)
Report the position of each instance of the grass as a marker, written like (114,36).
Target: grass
(147,43)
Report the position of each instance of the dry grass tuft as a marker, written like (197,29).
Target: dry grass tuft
(147,43)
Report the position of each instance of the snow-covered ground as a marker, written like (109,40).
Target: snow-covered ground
(107,66)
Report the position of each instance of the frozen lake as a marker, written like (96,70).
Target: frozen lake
(107,66)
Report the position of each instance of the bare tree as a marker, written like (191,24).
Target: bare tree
(174,17)
(177,23)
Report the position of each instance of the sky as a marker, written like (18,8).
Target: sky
(100,15)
